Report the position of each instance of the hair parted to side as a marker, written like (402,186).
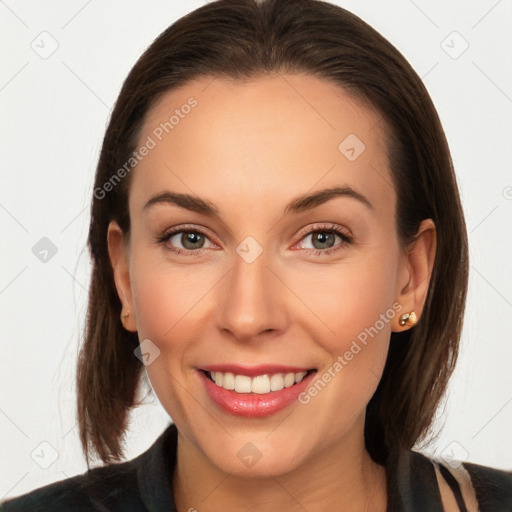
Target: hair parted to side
(249,38)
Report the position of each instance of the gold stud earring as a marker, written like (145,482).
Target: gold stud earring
(409,319)
(124,316)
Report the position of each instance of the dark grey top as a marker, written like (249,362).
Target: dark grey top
(144,485)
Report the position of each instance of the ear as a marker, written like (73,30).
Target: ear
(119,259)
(415,272)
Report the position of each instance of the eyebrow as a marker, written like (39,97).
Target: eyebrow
(309,201)
(299,204)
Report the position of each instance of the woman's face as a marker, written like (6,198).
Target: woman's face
(232,273)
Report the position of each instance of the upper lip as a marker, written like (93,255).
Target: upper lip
(252,371)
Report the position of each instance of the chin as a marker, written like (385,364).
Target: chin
(256,458)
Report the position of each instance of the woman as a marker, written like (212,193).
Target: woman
(277,239)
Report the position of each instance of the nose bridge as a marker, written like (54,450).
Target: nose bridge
(250,304)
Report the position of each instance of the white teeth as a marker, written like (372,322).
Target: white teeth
(218,378)
(299,376)
(227,382)
(289,380)
(261,384)
(242,384)
(276,382)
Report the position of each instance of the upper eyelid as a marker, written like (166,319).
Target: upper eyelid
(173,232)
(345,239)
(320,227)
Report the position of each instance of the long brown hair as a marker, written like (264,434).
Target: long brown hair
(247,38)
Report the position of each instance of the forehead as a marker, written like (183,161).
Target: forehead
(277,135)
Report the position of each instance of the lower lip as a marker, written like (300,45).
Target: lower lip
(253,405)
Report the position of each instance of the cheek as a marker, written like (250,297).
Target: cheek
(354,305)
(168,300)
(350,299)
(169,304)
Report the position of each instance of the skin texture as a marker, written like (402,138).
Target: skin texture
(249,148)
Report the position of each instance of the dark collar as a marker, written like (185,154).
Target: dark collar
(412,483)
(154,472)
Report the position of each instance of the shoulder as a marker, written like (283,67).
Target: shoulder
(138,485)
(113,487)
(493,487)
(481,488)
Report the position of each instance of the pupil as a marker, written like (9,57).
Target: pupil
(324,239)
(189,240)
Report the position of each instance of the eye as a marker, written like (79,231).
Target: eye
(323,240)
(191,241)
(184,241)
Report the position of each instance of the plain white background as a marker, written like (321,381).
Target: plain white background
(62,66)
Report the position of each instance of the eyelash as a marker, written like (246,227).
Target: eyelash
(330,229)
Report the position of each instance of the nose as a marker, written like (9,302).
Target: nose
(251,305)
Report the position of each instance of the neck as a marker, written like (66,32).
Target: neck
(341,477)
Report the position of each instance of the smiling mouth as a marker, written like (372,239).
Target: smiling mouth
(259,384)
